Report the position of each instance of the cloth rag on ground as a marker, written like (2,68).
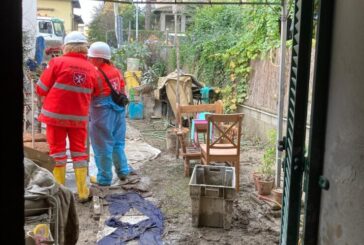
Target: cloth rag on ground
(40,183)
(148,231)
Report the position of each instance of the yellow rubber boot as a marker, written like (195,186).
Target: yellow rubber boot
(60,174)
(82,189)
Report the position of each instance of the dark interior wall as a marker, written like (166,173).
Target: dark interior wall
(11,99)
(342,206)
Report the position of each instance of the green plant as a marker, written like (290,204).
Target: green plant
(228,98)
(151,75)
(223,40)
(269,157)
(159,69)
(131,50)
(171,60)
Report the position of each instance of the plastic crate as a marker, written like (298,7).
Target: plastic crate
(212,192)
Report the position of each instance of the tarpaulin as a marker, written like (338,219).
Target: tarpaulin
(185,89)
(39,49)
(148,231)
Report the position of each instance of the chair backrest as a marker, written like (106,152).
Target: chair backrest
(224,127)
(192,110)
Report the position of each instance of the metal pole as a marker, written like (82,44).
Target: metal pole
(136,23)
(193,2)
(25,117)
(129,32)
(281,90)
(116,13)
(175,9)
(176,43)
(32,89)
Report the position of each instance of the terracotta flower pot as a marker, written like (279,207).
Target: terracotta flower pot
(255,177)
(277,195)
(265,187)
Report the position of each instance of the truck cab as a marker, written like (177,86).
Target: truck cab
(52,29)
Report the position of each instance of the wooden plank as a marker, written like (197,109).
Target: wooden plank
(225,117)
(41,159)
(197,108)
(217,107)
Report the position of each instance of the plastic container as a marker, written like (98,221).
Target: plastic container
(135,110)
(132,94)
(132,64)
(131,79)
(212,192)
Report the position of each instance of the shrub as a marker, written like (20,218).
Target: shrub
(269,157)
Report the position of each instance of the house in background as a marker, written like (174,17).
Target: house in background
(77,19)
(62,9)
(164,14)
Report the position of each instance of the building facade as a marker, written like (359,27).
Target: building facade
(62,9)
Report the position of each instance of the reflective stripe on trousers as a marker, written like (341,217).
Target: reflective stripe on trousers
(56,138)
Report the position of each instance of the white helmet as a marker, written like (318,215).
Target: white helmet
(75,37)
(99,50)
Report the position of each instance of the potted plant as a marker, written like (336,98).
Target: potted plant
(265,179)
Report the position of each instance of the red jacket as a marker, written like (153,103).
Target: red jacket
(115,77)
(68,83)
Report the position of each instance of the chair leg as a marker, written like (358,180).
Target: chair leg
(187,167)
(204,161)
(237,175)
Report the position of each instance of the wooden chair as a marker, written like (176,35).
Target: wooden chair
(187,152)
(225,145)
(190,151)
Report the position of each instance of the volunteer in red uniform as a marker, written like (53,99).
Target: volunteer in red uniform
(67,84)
(108,124)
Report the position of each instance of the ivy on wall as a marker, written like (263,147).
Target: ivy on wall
(223,40)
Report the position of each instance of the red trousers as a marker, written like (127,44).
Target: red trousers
(56,138)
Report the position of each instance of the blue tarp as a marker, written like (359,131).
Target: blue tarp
(148,231)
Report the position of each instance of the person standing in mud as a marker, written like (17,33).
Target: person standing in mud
(67,85)
(108,123)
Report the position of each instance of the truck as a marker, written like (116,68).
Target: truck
(50,28)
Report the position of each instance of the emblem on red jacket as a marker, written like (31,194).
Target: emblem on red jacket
(79,78)
(115,83)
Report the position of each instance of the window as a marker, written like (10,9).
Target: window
(58,29)
(45,27)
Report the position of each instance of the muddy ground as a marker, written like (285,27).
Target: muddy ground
(254,222)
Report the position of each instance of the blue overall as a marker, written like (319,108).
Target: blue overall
(107,133)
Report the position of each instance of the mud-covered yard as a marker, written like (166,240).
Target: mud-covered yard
(254,221)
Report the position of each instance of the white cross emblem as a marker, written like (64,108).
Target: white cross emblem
(115,83)
(79,78)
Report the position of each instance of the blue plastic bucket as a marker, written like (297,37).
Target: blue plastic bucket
(135,110)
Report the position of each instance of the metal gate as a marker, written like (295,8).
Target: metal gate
(294,142)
